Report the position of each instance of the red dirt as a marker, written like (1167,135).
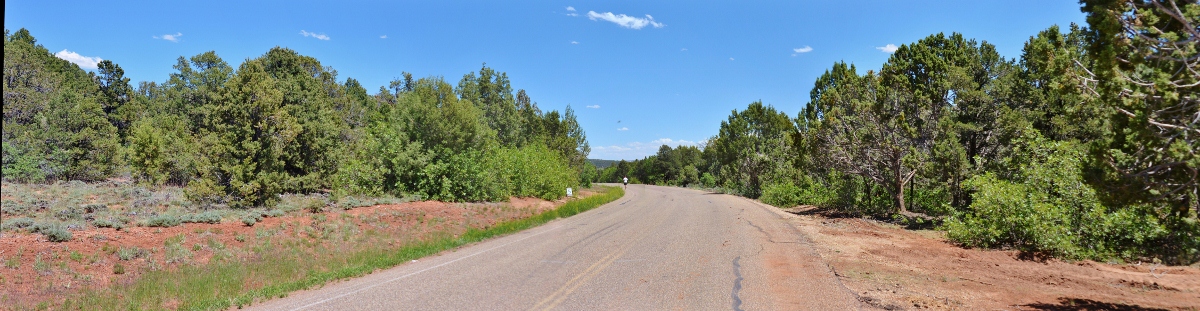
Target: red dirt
(891,268)
(95,249)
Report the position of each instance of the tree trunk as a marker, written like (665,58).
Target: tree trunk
(899,186)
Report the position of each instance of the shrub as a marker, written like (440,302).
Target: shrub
(346,203)
(13,207)
(92,208)
(108,223)
(118,268)
(251,219)
(209,217)
(18,223)
(130,253)
(163,220)
(460,177)
(1044,206)
(56,234)
(531,171)
(708,180)
(781,194)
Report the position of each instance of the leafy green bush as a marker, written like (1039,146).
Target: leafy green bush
(161,150)
(532,171)
(781,194)
(461,177)
(708,180)
(1044,206)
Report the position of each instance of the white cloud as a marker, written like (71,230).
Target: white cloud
(668,141)
(637,150)
(623,129)
(802,50)
(571,8)
(612,148)
(890,48)
(683,50)
(320,36)
(82,61)
(626,20)
(731,58)
(594,106)
(170,37)
(574,42)
(383,37)
(572,14)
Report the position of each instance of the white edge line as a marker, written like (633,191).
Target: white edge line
(422,270)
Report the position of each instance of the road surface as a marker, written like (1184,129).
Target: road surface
(657,248)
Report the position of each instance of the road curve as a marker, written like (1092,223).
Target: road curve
(657,248)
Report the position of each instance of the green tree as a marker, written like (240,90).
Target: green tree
(752,147)
(117,92)
(878,132)
(1147,76)
(54,126)
(244,144)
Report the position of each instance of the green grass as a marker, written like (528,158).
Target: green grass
(287,268)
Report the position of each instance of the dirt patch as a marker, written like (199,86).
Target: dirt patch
(34,270)
(891,268)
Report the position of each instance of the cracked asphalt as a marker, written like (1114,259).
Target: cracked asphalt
(657,248)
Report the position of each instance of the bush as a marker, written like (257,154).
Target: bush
(252,218)
(708,180)
(163,220)
(18,223)
(781,194)
(92,208)
(108,223)
(1045,207)
(532,171)
(130,253)
(461,177)
(209,217)
(56,233)
(346,203)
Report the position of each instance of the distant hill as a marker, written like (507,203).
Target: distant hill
(601,164)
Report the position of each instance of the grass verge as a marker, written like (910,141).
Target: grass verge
(282,269)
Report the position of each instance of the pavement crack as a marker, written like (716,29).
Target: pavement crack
(737,284)
(769,238)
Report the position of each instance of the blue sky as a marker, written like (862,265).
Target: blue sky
(637,73)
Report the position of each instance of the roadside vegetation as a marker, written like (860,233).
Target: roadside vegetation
(278,136)
(277,124)
(216,266)
(1085,147)
(280,263)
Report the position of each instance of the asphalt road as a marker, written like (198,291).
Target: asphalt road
(657,248)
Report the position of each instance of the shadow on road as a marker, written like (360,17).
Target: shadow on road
(1078,304)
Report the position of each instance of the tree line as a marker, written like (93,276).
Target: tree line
(282,123)
(1083,147)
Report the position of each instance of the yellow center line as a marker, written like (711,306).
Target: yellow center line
(568,292)
(561,294)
